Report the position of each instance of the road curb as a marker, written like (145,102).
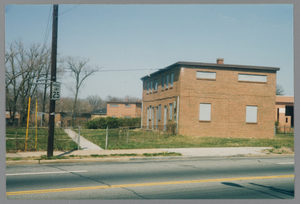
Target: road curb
(120,159)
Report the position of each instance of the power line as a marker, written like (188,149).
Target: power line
(46,35)
(68,10)
(120,70)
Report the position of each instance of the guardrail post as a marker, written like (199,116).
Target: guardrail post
(78,137)
(106,137)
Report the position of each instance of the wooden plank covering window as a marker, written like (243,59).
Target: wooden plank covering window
(252,78)
(206,75)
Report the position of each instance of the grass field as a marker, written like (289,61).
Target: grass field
(117,139)
(61,140)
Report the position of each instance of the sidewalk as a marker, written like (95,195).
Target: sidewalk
(84,143)
(186,153)
(198,152)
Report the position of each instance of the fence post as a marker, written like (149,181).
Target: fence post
(127,134)
(284,128)
(78,137)
(106,137)
(16,140)
(144,135)
(274,131)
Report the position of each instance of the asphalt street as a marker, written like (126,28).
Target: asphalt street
(199,178)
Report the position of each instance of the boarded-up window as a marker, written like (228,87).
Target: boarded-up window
(171,111)
(172,80)
(252,78)
(159,112)
(251,114)
(206,75)
(148,87)
(155,84)
(167,81)
(205,112)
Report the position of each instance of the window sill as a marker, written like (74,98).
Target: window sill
(205,121)
(206,79)
(253,123)
(255,82)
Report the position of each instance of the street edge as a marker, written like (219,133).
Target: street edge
(121,159)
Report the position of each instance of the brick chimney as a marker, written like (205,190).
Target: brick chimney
(220,61)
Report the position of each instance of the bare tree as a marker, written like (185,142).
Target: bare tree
(279,90)
(23,67)
(96,102)
(79,71)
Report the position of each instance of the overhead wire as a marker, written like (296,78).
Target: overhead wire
(68,10)
(47,32)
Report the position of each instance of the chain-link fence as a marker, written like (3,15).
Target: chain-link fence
(284,129)
(127,137)
(32,138)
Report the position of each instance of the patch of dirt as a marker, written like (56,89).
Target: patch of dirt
(282,150)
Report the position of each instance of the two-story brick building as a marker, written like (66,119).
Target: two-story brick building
(125,109)
(208,99)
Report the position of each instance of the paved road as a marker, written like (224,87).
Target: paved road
(214,178)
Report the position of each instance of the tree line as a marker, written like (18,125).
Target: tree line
(27,74)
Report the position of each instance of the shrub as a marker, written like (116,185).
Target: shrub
(102,123)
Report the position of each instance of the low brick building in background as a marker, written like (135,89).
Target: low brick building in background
(208,99)
(124,109)
(284,111)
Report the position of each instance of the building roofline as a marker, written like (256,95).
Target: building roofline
(214,65)
(123,102)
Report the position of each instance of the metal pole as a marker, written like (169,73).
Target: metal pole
(78,137)
(16,140)
(106,137)
(35,123)
(53,79)
(27,123)
(127,134)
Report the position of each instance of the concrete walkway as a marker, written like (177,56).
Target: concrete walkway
(188,152)
(83,143)
(221,151)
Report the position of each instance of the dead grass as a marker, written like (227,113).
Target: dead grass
(281,150)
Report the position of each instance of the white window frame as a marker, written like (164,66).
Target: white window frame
(251,114)
(205,111)
(113,105)
(252,78)
(206,75)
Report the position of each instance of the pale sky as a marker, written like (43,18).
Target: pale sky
(126,37)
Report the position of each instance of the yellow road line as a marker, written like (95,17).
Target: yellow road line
(143,184)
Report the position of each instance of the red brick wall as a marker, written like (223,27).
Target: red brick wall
(121,111)
(228,98)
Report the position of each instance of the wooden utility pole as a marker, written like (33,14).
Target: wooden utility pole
(53,79)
